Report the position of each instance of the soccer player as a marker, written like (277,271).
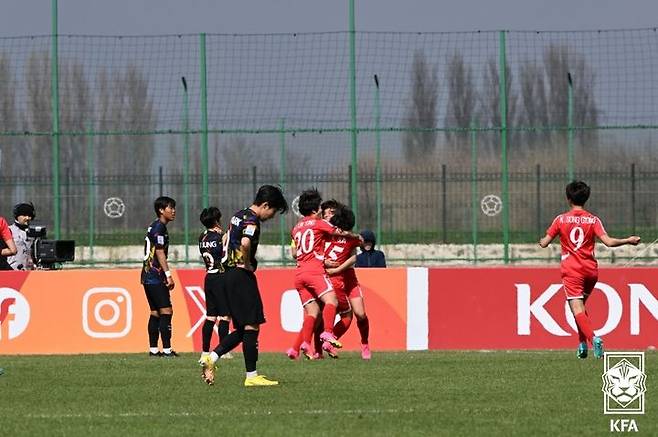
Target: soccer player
(243,297)
(211,249)
(7,245)
(311,282)
(341,251)
(157,278)
(578,230)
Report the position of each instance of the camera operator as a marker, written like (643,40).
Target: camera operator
(7,245)
(23,214)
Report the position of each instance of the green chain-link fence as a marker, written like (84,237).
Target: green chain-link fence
(415,152)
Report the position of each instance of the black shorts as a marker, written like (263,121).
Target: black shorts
(215,289)
(244,302)
(158,296)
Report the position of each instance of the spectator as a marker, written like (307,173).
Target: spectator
(7,245)
(369,256)
(23,215)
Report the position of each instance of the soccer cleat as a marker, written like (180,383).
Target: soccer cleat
(155,354)
(305,348)
(329,337)
(329,349)
(171,354)
(597,344)
(259,381)
(582,350)
(318,356)
(365,351)
(292,354)
(227,356)
(208,370)
(2,371)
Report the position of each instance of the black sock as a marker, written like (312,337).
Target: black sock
(165,330)
(154,333)
(229,342)
(250,349)
(222,329)
(206,334)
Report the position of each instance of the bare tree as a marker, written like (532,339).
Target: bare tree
(419,138)
(462,98)
(533,101)
(39,119)
(10,157)
(558,61)
(490,105)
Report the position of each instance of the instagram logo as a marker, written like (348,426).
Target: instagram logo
(14,313)
(107,312)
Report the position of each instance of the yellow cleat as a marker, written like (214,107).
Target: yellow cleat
(258,381)
(208,370)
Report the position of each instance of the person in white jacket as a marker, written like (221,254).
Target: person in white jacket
(23,214)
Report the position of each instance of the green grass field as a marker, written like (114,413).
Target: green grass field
(406,393)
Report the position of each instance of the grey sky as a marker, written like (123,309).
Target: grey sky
(150,17)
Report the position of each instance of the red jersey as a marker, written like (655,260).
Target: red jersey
(5,232)
(310,235)
(578,230)
(339,249)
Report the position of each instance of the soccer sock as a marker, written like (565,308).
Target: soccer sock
(584,325)
(341,326)
(206,335)
(364,329)
(153,330)
(165,330)
(250,349)
(317,342)
(222,329)
(228,343)
(581,336)
(328,317)
(309,321)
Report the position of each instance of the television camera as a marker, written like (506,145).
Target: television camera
(49,254)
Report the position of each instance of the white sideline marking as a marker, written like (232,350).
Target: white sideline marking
(417,308)
(214,413)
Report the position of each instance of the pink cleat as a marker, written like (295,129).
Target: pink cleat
(329,337)
(365,352)
(292,354)
(330,350)
(306,350)
(318,356)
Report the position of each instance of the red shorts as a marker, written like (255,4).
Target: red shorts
(347,287)
(311,285)
(577,287)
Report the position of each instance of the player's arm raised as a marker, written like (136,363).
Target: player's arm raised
(162,259)
(615,242)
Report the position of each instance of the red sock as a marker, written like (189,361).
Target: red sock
(308,320)
(581,336)
(328,316)
(317,343)
(341,326)
(584,326)
(307,328)
(364,329)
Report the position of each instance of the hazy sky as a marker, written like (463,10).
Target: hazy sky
(149,17)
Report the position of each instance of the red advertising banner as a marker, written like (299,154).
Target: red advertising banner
(524,308)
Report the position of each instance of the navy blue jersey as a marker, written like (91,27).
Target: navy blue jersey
(157,237)
(212,252)
(244,223)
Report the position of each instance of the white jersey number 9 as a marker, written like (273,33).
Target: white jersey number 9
(577,237)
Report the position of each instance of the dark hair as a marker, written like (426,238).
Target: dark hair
(26,209)
(343,218)
(331,204)
(578,192)
(309,201)
(210,217)
(273,196)
(162,202)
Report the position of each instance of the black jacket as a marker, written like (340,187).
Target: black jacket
(372,257)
